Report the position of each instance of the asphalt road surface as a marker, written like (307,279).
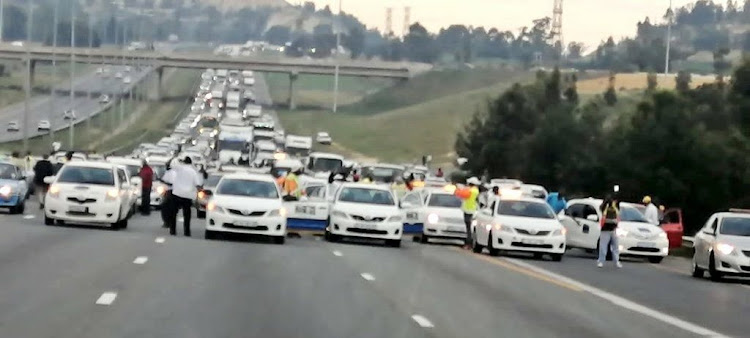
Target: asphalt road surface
(53,277)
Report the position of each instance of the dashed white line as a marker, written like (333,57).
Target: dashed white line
(367,276)
(140,260)
(106,298)
(337,253)
(422,321)
(159,240)
(28,216)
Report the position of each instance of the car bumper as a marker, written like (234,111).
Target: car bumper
(11,201)
(352,228)
(639,247)
(267,226)
(737,264)
(527,243)
(445,230)
(104,212)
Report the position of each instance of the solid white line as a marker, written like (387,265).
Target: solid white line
(367,276)
(159,240)
(422,321)
(106,298)
(140,260)
(28,216)
(337,253)
(624,303)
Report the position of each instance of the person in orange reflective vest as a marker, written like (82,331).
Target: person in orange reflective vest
(291,186)
(469,196)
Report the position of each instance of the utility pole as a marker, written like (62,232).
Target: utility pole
(669,38)
(2,8)
(338,61)
(28,78)
(53,95)
(557,32)
(72,75)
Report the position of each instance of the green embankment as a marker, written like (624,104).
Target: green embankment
(316,91)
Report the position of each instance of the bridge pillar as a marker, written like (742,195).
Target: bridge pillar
(32,71)
(157,90)
(292,78)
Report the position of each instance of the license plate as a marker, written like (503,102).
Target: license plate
(244,224)
(457,229)
(366,226)
(646,244)
(304,210)
(78,208)
(532,241)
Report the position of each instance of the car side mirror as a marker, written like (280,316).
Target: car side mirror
(49,179)
(593,218)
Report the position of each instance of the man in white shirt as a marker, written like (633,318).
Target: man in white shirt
(185,182)
(652,212)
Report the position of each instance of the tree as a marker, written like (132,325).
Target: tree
(651,82)
(278,35)
(610,95)
(355,42)
(419,45)
(721,64)
(682,81)
(575,50)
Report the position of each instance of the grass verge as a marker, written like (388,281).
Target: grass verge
(316,91)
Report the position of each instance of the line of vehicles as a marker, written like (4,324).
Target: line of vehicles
(244,154)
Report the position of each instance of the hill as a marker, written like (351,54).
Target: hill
(235,4)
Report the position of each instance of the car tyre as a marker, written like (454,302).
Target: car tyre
(475,246)
(716,275)
(393,243)
(556,257)
(123,224)
(48,221)
(424,239)
(201,214)
(279,240)
(655,260)
(210,235)
(490,248)
(697,271)
(538,255)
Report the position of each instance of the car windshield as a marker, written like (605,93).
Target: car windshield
(238,145)
(525,209)
(133,170)
(630,214)
(321,164)
(444,201)
(366,196)
(247,188)
(86,175)
(735,226)
(159,169)
(8,171)
(212,180)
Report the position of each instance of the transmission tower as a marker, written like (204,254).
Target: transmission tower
(388,21)
(407,20)
(557,32)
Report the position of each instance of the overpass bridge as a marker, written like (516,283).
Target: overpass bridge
(159,60)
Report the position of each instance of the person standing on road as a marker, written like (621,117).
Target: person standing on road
(167,201)
(610,209)
(185,182)
(469,206)
(42,169)
(652,212)
(147,179)
(439,173)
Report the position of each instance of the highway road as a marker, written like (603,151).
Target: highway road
(41,106)
(53,277)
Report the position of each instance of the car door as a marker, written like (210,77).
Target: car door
(484,220)
(704,241)
(125,192)
(582,232)
(313,206)
(672,224)
(413,210)
(590,226)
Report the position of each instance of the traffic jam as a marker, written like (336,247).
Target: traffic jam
(259,180)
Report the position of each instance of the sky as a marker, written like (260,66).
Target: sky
(588,21)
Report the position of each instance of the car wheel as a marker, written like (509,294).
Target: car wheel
(394,243)
(22,207)
(49,221)
(124,224)
(424,239)
(200,214)
(538,255)
(279,240)
(697,271)
(475,247)
(210,235)
(556,257)
(490,248)
(716,275)
(655,260)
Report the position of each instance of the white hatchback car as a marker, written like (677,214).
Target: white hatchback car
(637,237)
(247,204)
(722,246)
(43,125)
(323,138)
(90,193)
(435,213)
(367,211)
(523,224)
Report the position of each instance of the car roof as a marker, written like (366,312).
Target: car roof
(366,186)
(123,160)
(732,214)
(384,165)
(92,164)
(329,155)
(523,199)
(250,177)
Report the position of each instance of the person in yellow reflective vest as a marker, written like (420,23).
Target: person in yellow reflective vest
(291,186)
(469,196)
(399,188)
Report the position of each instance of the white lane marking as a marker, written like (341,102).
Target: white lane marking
(624,303)
(422,321)
(28,216)
(159,240)
(106,298)
(140,260)
(367,276)
(337,253)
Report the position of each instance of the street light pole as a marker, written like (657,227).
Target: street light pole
(28,78)
(72,73)
(336,75)
(669,37)
(54,71)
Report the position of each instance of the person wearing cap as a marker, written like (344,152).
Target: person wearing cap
(652,212)
(469,205)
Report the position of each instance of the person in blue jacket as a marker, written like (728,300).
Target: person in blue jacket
(556,201)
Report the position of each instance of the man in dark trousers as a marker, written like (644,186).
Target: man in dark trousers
(185,182)
(147,179)
(42,169)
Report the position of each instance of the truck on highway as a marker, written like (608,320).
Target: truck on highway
(232,145)
(298,146)
(252,111)
(234,98)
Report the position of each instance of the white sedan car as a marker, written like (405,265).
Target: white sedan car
(247,204)
(323,138)
(43,125)
(367,211)
(435,213)
(523,224)
(89,193)
(637,237)
(722,246)
(13,126)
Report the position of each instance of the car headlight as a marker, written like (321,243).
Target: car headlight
(213,207)
(725,249)
(112,194)
(6,190)
(560,232)
(54,191)
(621,232)
(396,218)
(277,212)
(432,218)
(337,213)
(161,190)
(663,235)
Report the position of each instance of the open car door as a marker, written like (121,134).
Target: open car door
(311,211)
(671,223)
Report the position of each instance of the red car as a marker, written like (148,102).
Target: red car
(671,223)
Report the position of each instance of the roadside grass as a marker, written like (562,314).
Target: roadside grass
(11,85)
(636,81)
(316,91)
